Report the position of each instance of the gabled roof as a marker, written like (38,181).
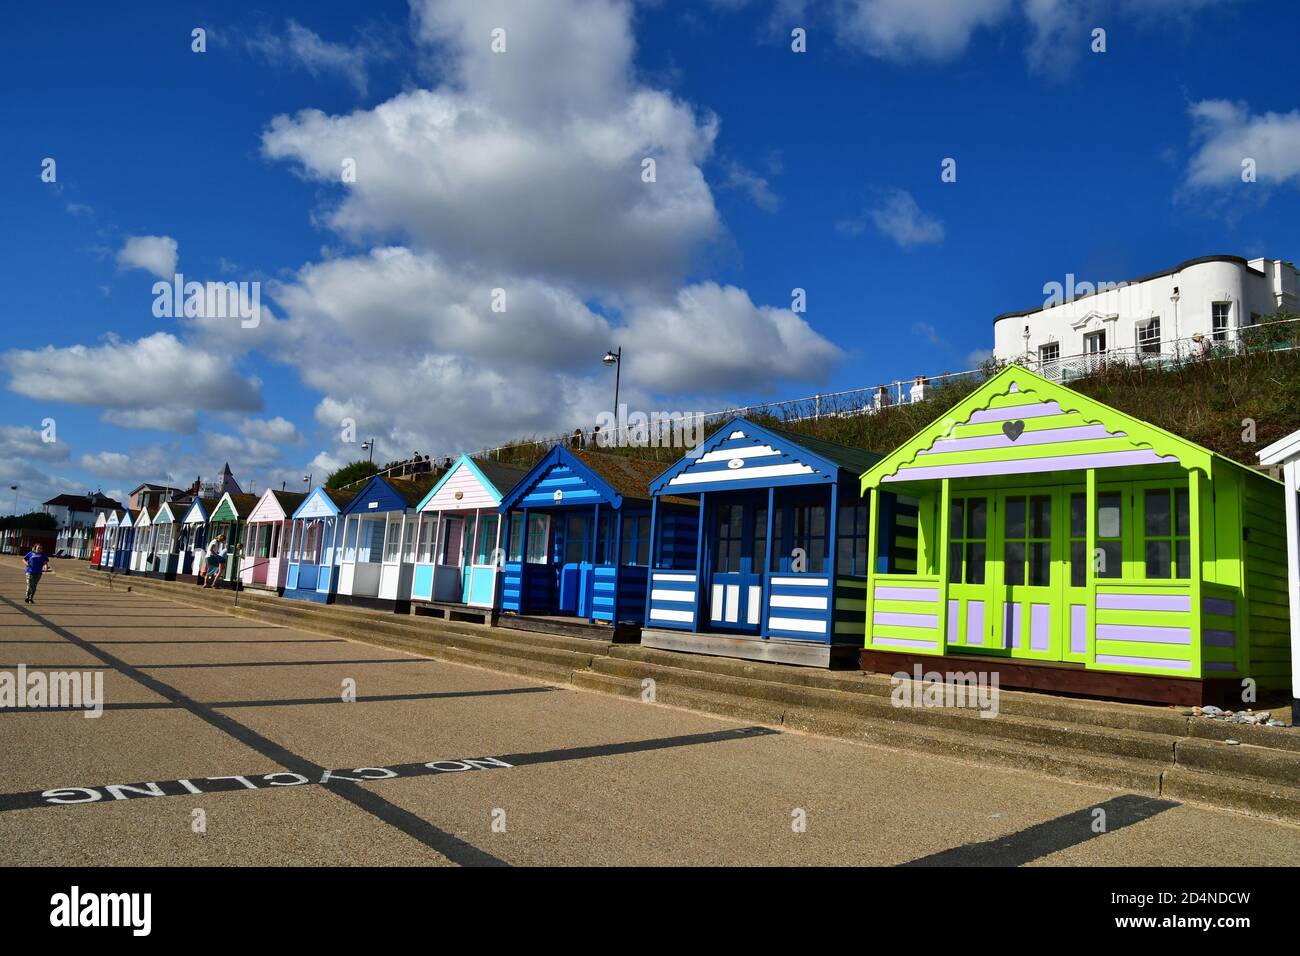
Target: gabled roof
(1020,423)
(745,454)
(239,506)
(593,476)
(334,501)
(1282,450)
(496,479)
(392,494)
(164,514)
(200,508)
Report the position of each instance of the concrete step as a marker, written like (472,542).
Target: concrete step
(1127,743)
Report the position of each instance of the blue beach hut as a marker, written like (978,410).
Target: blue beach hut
(313,545)
(776,567)
(577,539)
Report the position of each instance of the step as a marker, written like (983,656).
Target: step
(1246,794)
(1239,760)
(1136,744)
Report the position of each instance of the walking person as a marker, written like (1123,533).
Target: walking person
(36,564)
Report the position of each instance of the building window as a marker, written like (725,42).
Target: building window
(1219,321)
(1167,532)
(852,534)
(968,540)
(1049,355)
(799,528)
(1094,343)
(1148,336)
(428,528)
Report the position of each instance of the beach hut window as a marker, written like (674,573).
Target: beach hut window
(605,538)
(393,539)
(575,539)
(853,540)
(370,542)
(1110,534)
(968,540)
(311,542)
(538,532)
(428,528)
(730,537)
(1027,549)
(350,539)
(1167,533)
(801,529)
(516,538)
(636,539)
(1078,539)
(487,539)
(275,540)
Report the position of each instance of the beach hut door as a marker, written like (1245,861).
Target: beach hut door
(1030,532)
(573,546)
(736,582)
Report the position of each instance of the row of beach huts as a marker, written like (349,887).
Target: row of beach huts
(1029,530)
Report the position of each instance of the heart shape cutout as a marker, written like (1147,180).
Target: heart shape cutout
(1013,430)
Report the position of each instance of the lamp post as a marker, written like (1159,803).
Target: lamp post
(306,480)
(615,358)
(14,489)
(370,444)
(1178,346)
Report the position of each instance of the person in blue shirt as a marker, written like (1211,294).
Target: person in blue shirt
(36,564)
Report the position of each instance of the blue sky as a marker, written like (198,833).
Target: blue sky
(520,171)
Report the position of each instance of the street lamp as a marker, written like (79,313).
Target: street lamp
(306,480)
(14,489)
(615,358)
(369,443)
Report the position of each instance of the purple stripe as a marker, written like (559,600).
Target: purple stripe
(901,642)
(1036,410)
(1220,638)
(1027,466)
(1144,662)
(1144,634)
(975,622)
(1011,624)
(1047,436)
(1078,628)
(1040,626)
(953,608)
(1221,606)
(906,620)
(907,594)
(1144,602)
(1219,666)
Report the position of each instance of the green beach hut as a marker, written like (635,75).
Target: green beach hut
(1074,548)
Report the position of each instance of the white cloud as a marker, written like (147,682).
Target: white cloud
(899,218)
(155,254)
(522,172)
(167,418)
(917,29)
(153,372)
(738,176)
(1227,133)
(528,162)
(277,430)
(303,47)
(18,441)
